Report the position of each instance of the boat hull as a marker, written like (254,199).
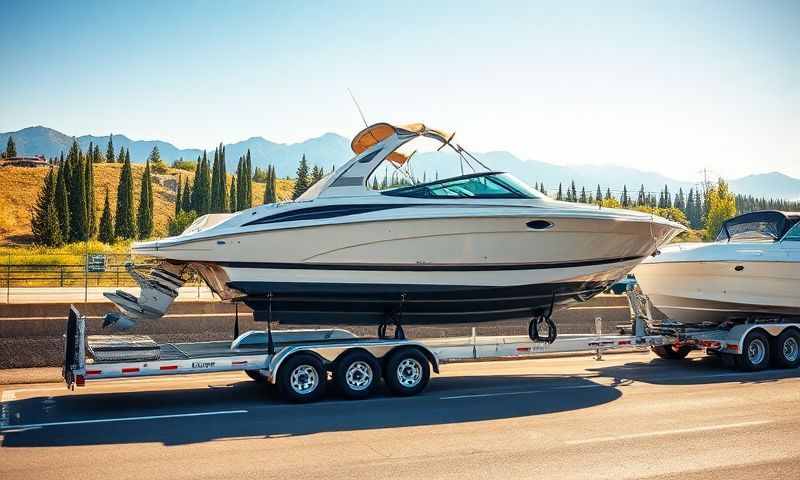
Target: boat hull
(714,292)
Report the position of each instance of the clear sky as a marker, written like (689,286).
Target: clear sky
(669,86)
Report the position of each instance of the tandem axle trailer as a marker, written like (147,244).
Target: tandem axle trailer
(303,363)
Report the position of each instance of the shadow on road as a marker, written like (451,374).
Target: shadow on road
(267,417)
(697,369)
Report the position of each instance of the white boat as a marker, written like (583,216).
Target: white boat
(751,270)
(477,247)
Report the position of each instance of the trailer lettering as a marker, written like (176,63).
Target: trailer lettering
(203,364)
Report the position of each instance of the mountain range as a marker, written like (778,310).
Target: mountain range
(331,149)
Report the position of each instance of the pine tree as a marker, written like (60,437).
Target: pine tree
(598,196)
(302,182)
(121,157)
(11,148)
(79,225)
(624,199)
(62,200)
(375,185)
(608,194)
(110,149)
(178,198)
(560,194)
(573,193)
(234,197)
(106,233)
(125,223)
(641,199)
(680,201)
(144,217)
(91,213)
(44,222)
(187,197)
(583,195)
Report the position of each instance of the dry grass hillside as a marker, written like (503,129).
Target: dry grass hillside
(19,188)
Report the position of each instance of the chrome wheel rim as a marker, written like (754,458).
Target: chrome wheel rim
(304,379)
(409,373)
(359,376)
(791,349)
(756,351)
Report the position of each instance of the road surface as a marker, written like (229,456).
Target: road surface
(630,416)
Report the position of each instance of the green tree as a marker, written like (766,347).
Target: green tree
(560,194)
(186,206)
(201,189)
(62,200)
(125,222)
(79,225)
(219,185)
(302,182)
(144,217)
(234,196)
(110,149)
(44,222)
(91,213)
(121,157)
(598,195)
(583,198)
(106,233)
(96,158)
(179,197)
(11,148)
(721,205)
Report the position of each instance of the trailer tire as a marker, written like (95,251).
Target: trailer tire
(407,372)
(755,354)
(786,349)
(356,374)
(670,352)
(302,378)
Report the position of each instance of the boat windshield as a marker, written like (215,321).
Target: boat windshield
(756,226)
(793,235)
(476,185)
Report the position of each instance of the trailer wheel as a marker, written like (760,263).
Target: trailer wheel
(407,372)
(302,379)
(755,352)
(356,374)
(671,352)
(786,351)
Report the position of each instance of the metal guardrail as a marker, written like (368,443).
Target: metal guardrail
(89,271)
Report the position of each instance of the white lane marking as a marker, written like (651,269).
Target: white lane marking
(8,396)
(122,419)
(522,392)
(670,432)
(607,307)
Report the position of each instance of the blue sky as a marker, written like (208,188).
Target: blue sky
(667,86)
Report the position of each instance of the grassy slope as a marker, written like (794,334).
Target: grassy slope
(19,188)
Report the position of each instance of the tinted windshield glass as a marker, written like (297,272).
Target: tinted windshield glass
(793,235)
(484,185)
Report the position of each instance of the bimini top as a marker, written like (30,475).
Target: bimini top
(767,225)
(379,132)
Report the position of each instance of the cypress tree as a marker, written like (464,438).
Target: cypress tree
(233,207)
(110,149)
(239,191)
(598,195)
(178,198)
(583,195)
(248,181)
(125,223)
(560,194)
(625,200)
(273,185)
(79,226)
(187,197)
(44,223)
(11,148)
(96,154)
(203,188)
(608,194)
(144,217)
(302,182)
(91,214)
(121,157)
(62,201)
(106,233)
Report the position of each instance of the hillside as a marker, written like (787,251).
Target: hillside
(19,188)
(332,149)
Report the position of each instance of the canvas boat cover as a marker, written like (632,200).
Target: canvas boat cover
(379,132)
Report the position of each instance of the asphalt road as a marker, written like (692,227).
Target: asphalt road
(629,416)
